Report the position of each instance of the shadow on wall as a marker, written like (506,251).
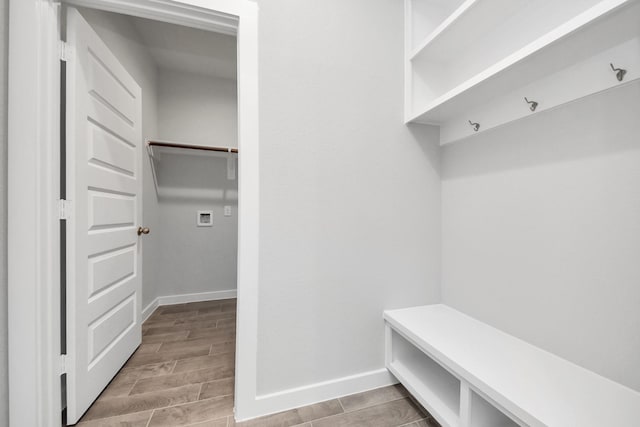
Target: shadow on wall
(551,136)
(192,178)
(541,231)
(428,138)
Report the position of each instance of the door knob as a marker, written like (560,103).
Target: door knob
(143,230)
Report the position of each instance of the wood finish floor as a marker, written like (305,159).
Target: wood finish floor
(183,375)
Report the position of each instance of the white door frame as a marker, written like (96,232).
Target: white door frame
(33,182)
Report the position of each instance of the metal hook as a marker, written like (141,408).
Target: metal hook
(532,104)
(619,72)
(476,126)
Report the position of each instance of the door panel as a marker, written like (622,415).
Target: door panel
(104,143)
(102,84)
(108,151)
(111,210)
(111,268)
(103,115)
(108,328)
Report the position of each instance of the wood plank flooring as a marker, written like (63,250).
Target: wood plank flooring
(183,375)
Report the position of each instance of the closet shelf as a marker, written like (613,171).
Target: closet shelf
(536,60)
(178,182)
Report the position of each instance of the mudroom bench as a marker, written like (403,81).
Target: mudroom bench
(469,374)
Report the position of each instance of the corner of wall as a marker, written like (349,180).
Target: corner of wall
(4,50)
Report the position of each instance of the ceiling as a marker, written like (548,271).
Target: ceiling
(190,50)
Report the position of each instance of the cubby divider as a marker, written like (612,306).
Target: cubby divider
(435,387)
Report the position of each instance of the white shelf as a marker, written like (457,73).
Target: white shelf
(425,16)
(511,376)
(467,23)
(477,59)
(544,56)
(585,78)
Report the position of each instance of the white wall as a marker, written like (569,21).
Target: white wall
(202,110)
(198,109)
(541,231)
(350,196)
(124,41)
(4,380)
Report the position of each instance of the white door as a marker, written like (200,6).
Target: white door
(104,142)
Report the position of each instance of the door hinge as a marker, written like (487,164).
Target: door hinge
(64,51)
(64,209)
(63,364)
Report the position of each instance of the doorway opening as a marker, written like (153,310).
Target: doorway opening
(151,167)
(35,358)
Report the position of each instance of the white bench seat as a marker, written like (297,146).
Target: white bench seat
(469,374)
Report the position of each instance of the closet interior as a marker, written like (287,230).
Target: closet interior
(190,157)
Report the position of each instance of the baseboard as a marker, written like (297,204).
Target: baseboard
(319,392)
(203,296)
(185,298)
(271,403)
(149,309)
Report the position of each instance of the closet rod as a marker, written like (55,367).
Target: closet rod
(191,147)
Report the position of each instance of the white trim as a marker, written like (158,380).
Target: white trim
(33,224)
(33,237)
(248,213)
(202,296)
(149,309)
(201,17)
(320,392)
(186,298)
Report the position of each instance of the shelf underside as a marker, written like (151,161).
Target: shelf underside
(468,22)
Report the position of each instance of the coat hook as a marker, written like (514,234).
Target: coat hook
(532,104)
(619,72)
(476,126)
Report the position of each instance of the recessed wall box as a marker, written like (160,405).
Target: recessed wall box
(204,218)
